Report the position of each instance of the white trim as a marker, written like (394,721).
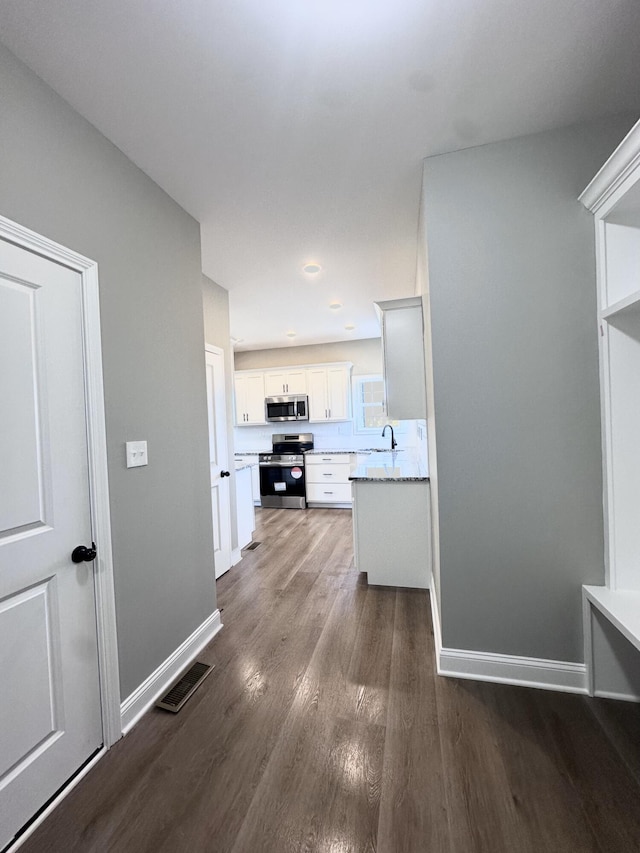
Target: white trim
(587,639)
(100,511)
(565,677)
(435,619)
(236,556)
(504,669)
(143,697)
(621,697)
(614,173)
(98,472)
(56,801)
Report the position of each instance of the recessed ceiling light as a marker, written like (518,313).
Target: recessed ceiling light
(335,305)
(291,334)
(312,269)
(350,327)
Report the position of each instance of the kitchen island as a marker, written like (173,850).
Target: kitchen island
(391,519)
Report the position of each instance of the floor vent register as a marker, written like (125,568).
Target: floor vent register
(184,687)
(252,546)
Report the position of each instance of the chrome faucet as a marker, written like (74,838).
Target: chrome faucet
(394,443)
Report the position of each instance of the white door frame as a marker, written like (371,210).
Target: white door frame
(98,474)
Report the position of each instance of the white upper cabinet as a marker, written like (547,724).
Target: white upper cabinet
(338,392)
(403,357)
(249,398)
(281,382)
(328,386)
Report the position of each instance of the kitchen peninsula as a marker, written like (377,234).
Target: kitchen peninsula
(391,533)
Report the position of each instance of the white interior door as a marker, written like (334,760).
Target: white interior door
(50,720)
(219,460)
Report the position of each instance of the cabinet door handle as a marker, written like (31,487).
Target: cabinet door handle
(327,493)
(327,475)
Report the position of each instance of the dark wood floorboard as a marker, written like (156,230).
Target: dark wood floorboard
(324,729)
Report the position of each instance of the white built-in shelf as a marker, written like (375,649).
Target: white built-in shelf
(628,306)
(620,606)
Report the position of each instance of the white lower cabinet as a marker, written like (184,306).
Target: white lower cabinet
(245,512)
(327,477)
(255,476)
(391,533)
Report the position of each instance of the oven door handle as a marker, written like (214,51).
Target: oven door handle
(280,465)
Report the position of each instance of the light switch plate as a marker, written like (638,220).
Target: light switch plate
(136,454)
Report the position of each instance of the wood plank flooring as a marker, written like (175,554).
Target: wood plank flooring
(324,728)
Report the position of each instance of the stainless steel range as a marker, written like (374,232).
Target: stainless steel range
(282,480)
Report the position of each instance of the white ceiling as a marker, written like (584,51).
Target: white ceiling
(293,130)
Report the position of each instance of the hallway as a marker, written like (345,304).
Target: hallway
(324,728)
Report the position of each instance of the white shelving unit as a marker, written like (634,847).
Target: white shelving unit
(612,612)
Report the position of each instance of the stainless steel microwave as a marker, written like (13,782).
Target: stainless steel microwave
(294,407)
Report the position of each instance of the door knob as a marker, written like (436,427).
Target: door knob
(225,473)
(82,554)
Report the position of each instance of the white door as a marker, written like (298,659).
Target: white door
(50,721)
(219,460)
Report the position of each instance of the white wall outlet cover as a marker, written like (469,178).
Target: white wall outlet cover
(136,454)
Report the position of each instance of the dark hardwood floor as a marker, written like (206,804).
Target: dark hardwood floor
(324,728)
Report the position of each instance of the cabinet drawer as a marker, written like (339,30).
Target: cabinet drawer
(326,473)
(329,493)
(329,458)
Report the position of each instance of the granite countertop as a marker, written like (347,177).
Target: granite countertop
(331,452)
(240,466)
(390,467)
(336,451)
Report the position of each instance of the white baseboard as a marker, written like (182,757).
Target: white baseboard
(236,555)
(435,619)
(622,697)
(567,677)
(135,705)
(563,676)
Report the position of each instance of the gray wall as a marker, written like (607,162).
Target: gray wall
(215,300)
(511,271)
(61,178)
(366,355)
